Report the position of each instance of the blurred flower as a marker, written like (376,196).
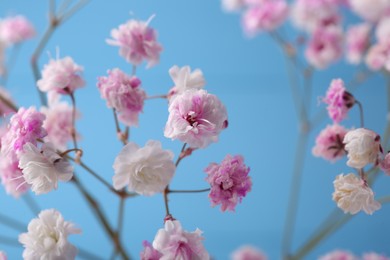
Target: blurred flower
(14,30)
(3,69)
(353,195)
(149,253)
(175,243)
(145,170)
(43,168)
(267,16)
(137,42)
(370,10)
(232,5)
(12,177)
(196,117)
(248,253)
(124,94)
(338,255)
(3,256)
(325,46)
(25,127)
(62,76)
(374,256)
(184,79)
(47,237)
(4,108)
(229,182)
(329,143)
(339,100)
(362,146)
(357,41)
(382,31)
(385,164)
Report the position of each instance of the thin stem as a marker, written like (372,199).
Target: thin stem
(11,62)
(52,9)
(97,176)
(157,96)
(188,191)
(165,193)
(133,70)
(121,136)
(71,150)
(73,119)
(11,222)
(9,241)
(62,18)
(31,203)
(121,214)
(8,103)
(101,217)
(180,155)
(64,6)
(85,254)
(360,112)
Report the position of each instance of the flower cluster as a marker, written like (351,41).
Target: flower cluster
(14,30)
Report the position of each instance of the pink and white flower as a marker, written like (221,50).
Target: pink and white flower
(248,253)
(357,41)
(378,56)
(329,143)
(62,76)
(149,253)
(137,42)
(196,118)
(43,168)
(14,30)
(363,147)
(47,237)
(338,255)
(232,5)
(3,256)
(325,46)
(353,195)
(175,243)
(146,170)
(339,100)
(12,177)
(124,94)
(229,182)
(385,164)
(374,256)
(267,16)
(184,79)
(382,30)
(370,10)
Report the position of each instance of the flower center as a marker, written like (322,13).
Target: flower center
(191,118)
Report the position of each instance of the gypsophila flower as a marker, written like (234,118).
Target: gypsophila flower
(47,237)
(124,94)
(370,10)
(146,170)
(329,143)
(339,100)
(248,252)
(338,255)
(363,147)
(229,182)
(357,42)
(267,16)
(25,127)
(353,195)
(184,79)
(43,168)
(3,256)
(61,75)
(325,46)
(175,243)
(149,253)
(14,30)
(12,177)
(374,256)
(196,118)
(137,42)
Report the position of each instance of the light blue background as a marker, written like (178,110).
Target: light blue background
(249,76)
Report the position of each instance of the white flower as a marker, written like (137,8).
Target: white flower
(145,170)
(47,237)
(175,243)
(232,5)
(371,10)
(43,168)
(184,79)
(362,146)
(353,195)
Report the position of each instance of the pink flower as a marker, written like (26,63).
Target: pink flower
(374,256)
(338,255)
(385,164)
(149,253)
(12,177)
(62,76)
(339,100)
(370,10)
(265,17)
(248,253)
(124,94)
(24,127)
(4,108)
(382,31)
(184,79)
(352,195)
(357,40)
(329,143)
(3,256)
(309,15)
(229,182)
(137,42)
(325,46)
(378,56)
(14,30)
(196,117)
(175,243)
